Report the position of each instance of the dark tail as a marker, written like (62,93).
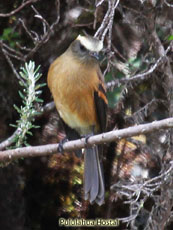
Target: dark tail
(94,188)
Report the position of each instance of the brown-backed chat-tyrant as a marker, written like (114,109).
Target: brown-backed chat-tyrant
(77,85)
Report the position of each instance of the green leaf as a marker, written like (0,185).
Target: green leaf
(40,86)
(36,126)
(36,113)
(38,100)
(7,32)
(135,62)
(170,38)
(15,126)
(17,108)
(21,95)
(11,36)
(29,133)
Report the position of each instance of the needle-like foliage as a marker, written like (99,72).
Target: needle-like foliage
(30,95)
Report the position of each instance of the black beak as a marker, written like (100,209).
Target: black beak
(94,55)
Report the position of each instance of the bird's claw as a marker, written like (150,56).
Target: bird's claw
(60,146)
(86,139)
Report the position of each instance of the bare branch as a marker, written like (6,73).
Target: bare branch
(19,8)
(39,16)
(9,52)
(10,140)
(45,37)
(140,76)
(146,188)
(11,64)
(168,4)
(58,15)
(113,5)
(81,143)
(107,22)
(99,3)
(139,115)
(15,52)
(27,31)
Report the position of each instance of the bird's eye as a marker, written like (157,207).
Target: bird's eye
(82,48)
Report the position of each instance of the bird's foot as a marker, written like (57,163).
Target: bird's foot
(87,138)
(61,143)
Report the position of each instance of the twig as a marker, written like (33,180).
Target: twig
(24,48)
(103,24)
(58,15)
(168,4)
(141,76)
(19,8)
(28,32)
(99,3)
(139,115)
(17,53)
(9,141)
(11,64)
(133,191)
(46,35)
(107,22)
(81,143)
(45,23)
(112,7)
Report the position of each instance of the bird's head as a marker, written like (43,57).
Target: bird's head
(86,48)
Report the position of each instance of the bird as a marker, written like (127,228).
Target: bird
(78,89)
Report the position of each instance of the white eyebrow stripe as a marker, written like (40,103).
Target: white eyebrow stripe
(92,45)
